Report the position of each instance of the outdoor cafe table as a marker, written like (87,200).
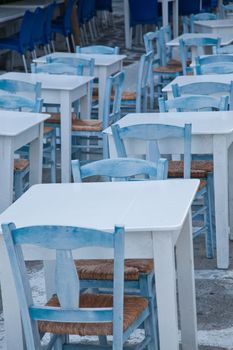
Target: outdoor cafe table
(16,130)
(222,27)
(105,66)
(62,90)
(165,15)
(157,218)
(9,14)
(212,133)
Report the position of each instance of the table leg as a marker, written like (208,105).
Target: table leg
(230,188)
(186,286)
(165,12)
(175,6)
(6,172)
(128,39)
(165,272)
(12,319)
(85,104)
(221,199)
(102,86)
(65,107)
(36,158)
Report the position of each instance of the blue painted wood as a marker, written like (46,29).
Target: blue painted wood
(56,68)
(16,86)
(203,16)
(228,49)
(204,88)
(186,44)
(120,168)
(86,64)
(218,64)
(224,9)
(193,103)
(101,49)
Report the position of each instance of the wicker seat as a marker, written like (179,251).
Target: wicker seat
(173,62)
(56,117)
(167,69)
(133,307)
(48,129)
(199,168)
(20,164)
(86,125)
(128,96)
(95,269)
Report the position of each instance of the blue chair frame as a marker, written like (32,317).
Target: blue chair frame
(98,49)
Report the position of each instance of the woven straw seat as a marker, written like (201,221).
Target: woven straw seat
(128,96)
(173,62)
(95,269)
(20,164)
(56,117)
(47,129)
(167,69)
(133,307)
(199,168)
(86,125)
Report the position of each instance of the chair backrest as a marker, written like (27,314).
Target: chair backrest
(37,34)
(104,5)
(62,240)
(185,45)
(186,24)
(84,65)
(56,68)
(48,23)
(145,69)
(194,103)
(203,16)
(188,7)
(26,31)
(141,14)
(16,94)
(120,168)
(165,35)
(67,16)
(224,49)
(87,10)
(152,43)
(224,9)
(152,134)
(222,65)
(204,88)
(101,49)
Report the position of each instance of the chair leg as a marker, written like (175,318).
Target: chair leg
(103,340)
(25,63)
(18,184)
(208,223)
(73,42)
(53,157)
(53,46)
(68,44)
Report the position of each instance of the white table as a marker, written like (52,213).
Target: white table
(16,130)
(28,4)
(62,90)
(9,14)
(188,79)
(105,66)
(212,134)
(222,27)
(165,15)
(147,235)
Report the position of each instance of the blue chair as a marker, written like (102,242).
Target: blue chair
(93,129)
(48,40)
(38,30)
(214,64)
(205,88)
(67,310)
(86,11)
(225,9)
(12,101)
(63,25)
(188,22)
(165,35)
(105,9)
(227,49)
(209,5)
(185,46)
(137,101)
(20,42)
(154,133)
(98,49)
(188,7)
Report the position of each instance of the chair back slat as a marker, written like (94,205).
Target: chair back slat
(101,49)
(56,68)
(84,65)
(221,67)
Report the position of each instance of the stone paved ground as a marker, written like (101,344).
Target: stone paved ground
(214,288)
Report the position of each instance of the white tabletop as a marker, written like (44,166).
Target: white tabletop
(188,79)
(100,59)
(29,4)
(13,123)
(206,123)
(132,204)
(216,23)
(224,40)
(9,14)
(50,81)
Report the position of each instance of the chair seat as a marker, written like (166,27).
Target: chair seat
(86,125)
(48,130)
(128,96)
(167,69)
(133,307)
(20,164)
(199,168)
(95,269)
(56,117)
(173,62)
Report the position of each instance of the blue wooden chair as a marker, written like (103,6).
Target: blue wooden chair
(154,133)
(138,100)
(154,41)
(165,35)
(188,22)
(225,9)
(93,129)
(205,88)
(101,49)
(227,49)
(38,30)
(214,64)
(62,25)
(185,46)
(48,42)
(67,310)
(20,42)
(187,8)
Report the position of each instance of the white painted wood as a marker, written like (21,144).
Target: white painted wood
(10,14)
(188,79)
(219,27)
(131,204)
(105,66)
(16,130)
(62,90)
(224,40)
(212,133)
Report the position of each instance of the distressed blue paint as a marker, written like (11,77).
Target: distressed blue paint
(95,49)
(224,66)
